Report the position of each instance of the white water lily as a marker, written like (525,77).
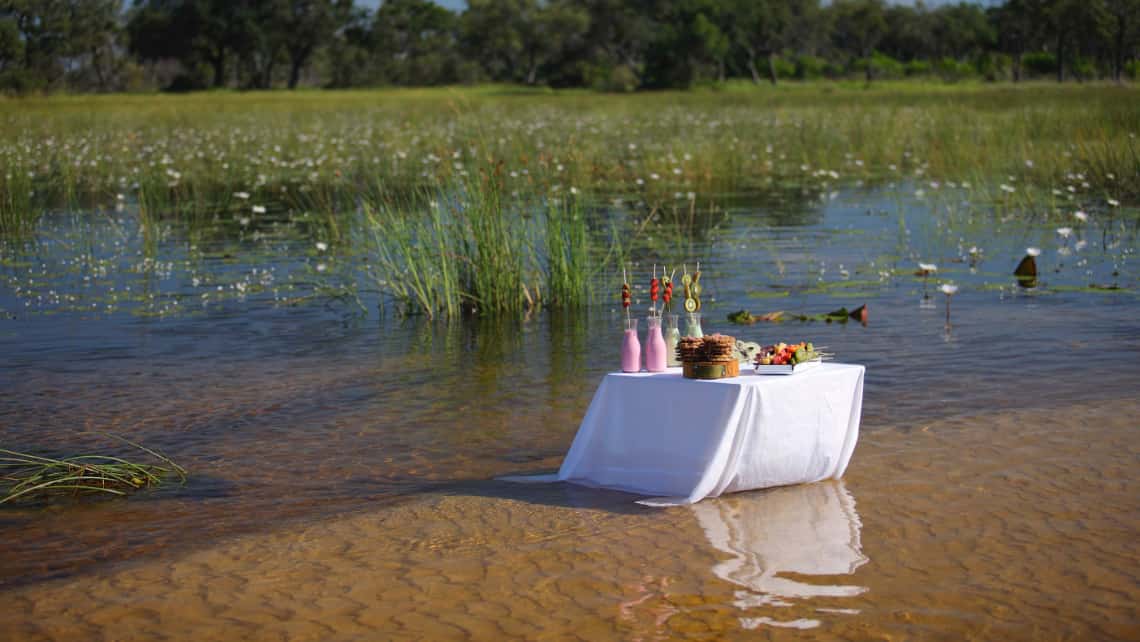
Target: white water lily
(1033,251)
(322,246)
(1081,216)
(1113,202)
(1081,244)
(927,267)
(242,195)
(258,209)
(949,289)
(1064,232)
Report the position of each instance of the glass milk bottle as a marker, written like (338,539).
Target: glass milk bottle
(630,348)
(672,337)
(655,349)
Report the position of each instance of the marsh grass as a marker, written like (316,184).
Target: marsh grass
(468,250)
(27,477)
(319,151)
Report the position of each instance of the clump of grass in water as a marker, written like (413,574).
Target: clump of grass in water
(417,259)
(567,253)
(25,476)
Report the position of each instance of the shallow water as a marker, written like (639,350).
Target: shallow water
(340,463)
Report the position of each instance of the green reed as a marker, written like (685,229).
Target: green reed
(416,256)
(25,476)
(568,269)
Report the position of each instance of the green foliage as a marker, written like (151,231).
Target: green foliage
(952,70)
(1039,63)
(810,67)
(918,68)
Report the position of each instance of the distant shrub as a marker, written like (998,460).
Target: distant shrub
(1132,69)
(810,67)
(917,68)
(882,66)
(622,78)
(952,70)
(993,67)
(20,82)
(1039,63)
(1083,69)
(785,68)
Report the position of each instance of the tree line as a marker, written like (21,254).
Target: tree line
(614,45)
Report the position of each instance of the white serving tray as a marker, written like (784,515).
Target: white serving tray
(787,369)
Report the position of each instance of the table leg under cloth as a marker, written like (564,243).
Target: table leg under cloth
(681,440)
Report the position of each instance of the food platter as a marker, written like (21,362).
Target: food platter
(784,358)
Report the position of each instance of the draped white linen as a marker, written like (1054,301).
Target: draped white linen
(681,440)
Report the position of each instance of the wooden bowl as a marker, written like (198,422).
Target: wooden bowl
(710,369)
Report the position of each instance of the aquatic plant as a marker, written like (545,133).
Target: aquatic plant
(25,476)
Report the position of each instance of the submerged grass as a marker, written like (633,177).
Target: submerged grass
(25,476)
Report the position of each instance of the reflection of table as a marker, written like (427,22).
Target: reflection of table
(663,435)
(773,538)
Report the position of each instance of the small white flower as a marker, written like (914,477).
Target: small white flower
(1033,251)
(1081,244)
(928,267)
(244,221)
(1081,216)
(1113,202)
(322,246)
(1029,164)
(1064,232)
(258,209)
(321,267)
(949,289)
(1064,250)
(242,195)
(573,190)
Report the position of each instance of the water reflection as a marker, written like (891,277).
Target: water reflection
(809,529)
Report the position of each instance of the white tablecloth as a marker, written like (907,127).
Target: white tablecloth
(683,440)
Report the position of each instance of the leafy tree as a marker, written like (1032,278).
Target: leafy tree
(306,25)
(415,40)
(620,32)
(961,31)
(690,38)
(1124,27)
(515,38)
(859,27)
(760,29)
(1018,31)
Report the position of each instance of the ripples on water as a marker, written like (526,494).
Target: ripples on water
(286,414)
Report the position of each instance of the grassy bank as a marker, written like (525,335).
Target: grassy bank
(483,198)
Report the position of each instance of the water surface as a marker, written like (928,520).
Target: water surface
(342,461)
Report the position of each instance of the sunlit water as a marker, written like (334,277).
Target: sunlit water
(341,463)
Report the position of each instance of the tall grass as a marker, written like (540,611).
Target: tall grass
(568,267)
(416,258)
(469,250)
(180,155)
